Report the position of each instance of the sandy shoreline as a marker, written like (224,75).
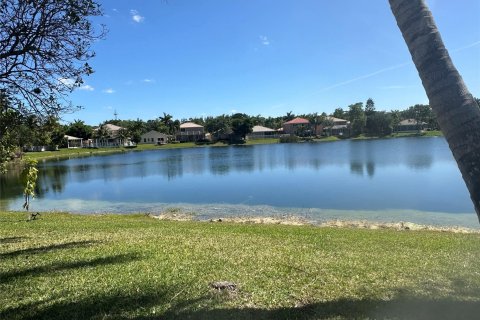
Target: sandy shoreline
(298,221)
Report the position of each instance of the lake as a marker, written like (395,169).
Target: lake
(404,179)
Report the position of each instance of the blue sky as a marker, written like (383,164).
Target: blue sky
(194,58)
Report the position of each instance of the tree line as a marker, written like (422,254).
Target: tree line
(30,130)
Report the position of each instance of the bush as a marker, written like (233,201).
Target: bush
(288,139)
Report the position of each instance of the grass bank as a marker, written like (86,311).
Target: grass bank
(81,152)
(66,153)
(133,266)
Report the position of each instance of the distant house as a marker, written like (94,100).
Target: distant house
(337,127)
(410,125)
(115,137)
(298,126)
(259,132)
(222,134)
(153,137)
(73,142)
(189,132)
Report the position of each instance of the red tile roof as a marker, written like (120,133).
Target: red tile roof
(298,121)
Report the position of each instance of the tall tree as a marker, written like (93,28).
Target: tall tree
(167,121)
(289,116)
(339,113)
(457,112)
(380,123)
(369,107)
(79,129)
(44,49)
(9,120)
(136,129)
(241,125)
(356,115)
(102,133)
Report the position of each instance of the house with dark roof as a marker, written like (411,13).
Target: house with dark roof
(298,127)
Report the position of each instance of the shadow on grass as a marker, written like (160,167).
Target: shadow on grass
(44,249)
(119,306)
(401,308)
(149,305)
(51,268)
(12,239)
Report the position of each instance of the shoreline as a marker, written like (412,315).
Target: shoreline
(84,152)
(334,223)
(285,220)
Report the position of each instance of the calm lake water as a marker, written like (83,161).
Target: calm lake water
(406,179)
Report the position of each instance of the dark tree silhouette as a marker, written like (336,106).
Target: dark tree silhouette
(44,49)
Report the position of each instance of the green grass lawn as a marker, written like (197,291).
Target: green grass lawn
(136,267)
(62,153)
(65,153)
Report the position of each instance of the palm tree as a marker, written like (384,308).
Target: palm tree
(168,123)
(166,119)
(103,134)
(457,112)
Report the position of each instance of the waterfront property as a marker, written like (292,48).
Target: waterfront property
(336,127)
(298,127)
(114,136)
(390,179)
(409,125)
(260,132)
(74,142)
(154,137)
(190,132)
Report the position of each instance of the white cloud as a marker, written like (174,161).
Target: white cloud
(234,111)
(69,82)
(468,46)
(365,76)
(148,80)
(136,16)
(264,40)
(86,87)
(109,90)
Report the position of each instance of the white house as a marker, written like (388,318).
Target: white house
(410,125)
(153,137)
(338,127)
(260,132)
(115,136)
(73,142)
(190,131)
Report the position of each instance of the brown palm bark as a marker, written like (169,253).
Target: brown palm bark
(457,111)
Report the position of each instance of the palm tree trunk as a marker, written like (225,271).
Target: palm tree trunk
(457,111)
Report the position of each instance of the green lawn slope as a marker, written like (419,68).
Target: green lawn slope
(66,266)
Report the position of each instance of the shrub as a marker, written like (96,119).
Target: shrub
(288,139)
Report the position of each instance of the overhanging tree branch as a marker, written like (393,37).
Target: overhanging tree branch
(44,49)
